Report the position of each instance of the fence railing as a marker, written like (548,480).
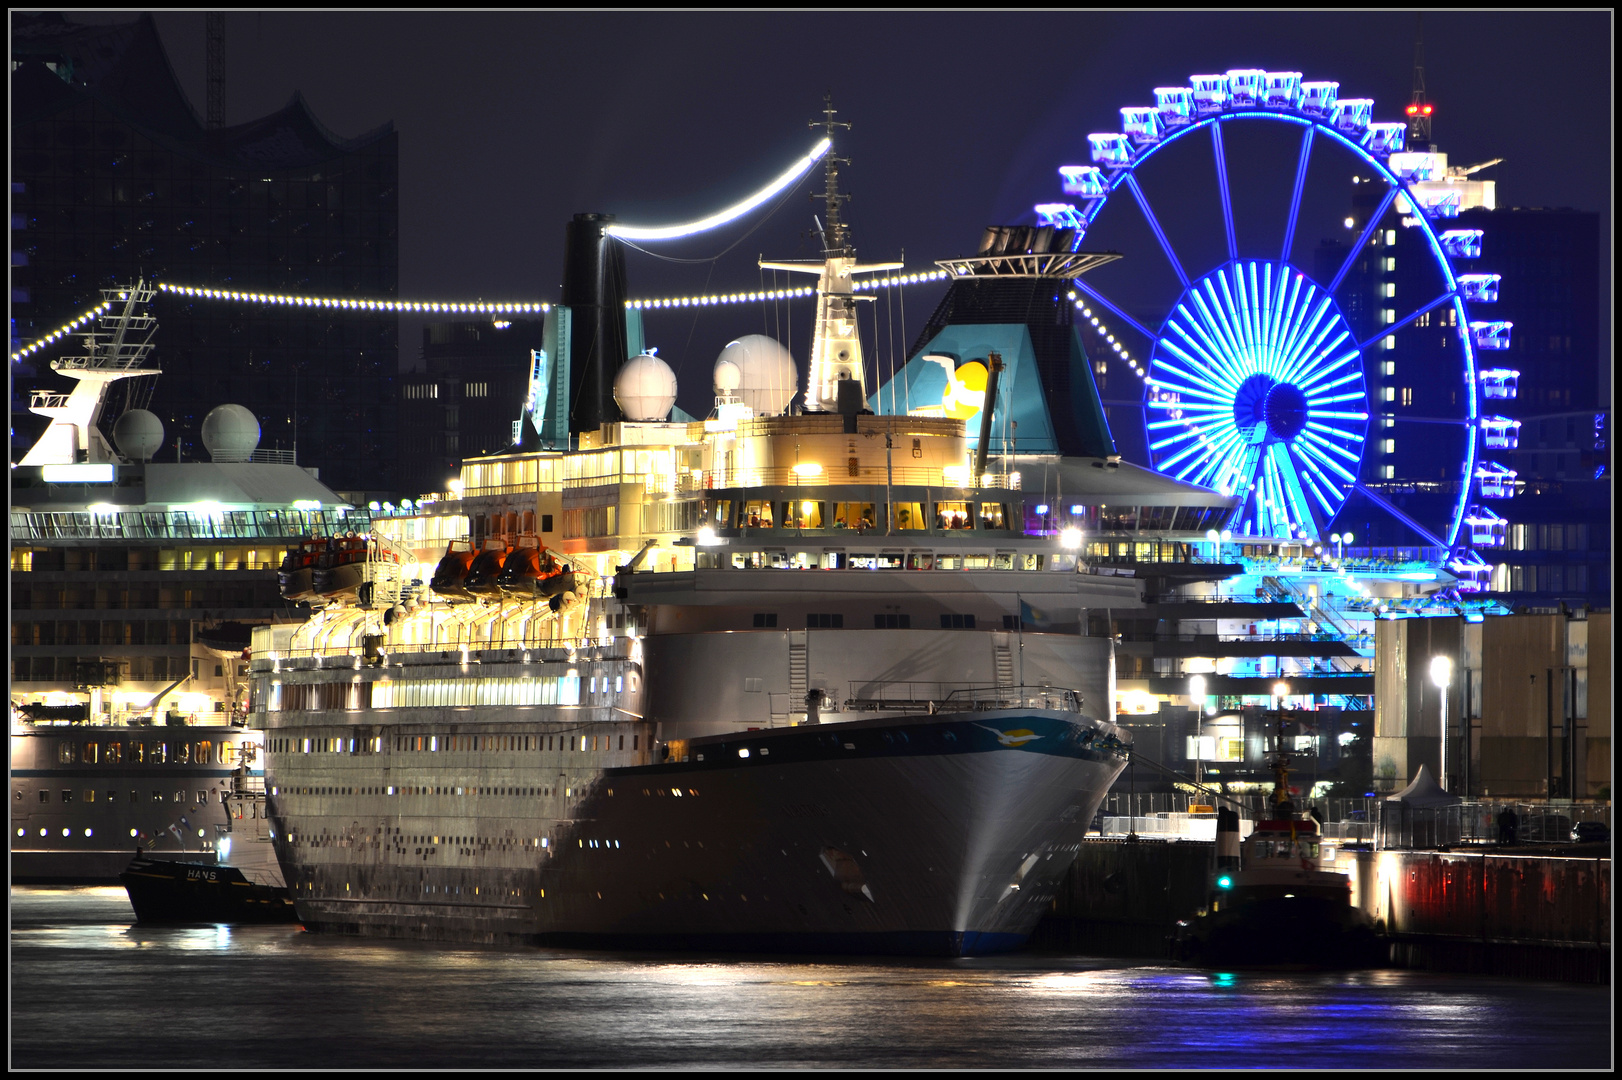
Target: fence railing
(188,525)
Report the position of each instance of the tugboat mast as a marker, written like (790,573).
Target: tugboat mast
(836,348)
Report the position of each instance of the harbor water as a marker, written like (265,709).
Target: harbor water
(90,989)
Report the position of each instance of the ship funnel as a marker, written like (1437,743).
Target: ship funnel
(594,294)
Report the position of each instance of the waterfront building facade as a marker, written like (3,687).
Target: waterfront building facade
(115,177)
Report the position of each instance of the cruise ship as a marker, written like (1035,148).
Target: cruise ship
(133,586)
(810,677)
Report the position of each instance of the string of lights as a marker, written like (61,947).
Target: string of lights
(478,307)
(60,332)
(442,307)
(1103,331)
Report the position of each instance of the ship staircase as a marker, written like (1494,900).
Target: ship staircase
(1322,609)
(798,677)
(1003,657)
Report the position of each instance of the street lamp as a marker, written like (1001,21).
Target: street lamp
(1441,675)
(1196,690)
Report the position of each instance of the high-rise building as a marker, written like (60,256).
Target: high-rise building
(464,404)
(114,177)
(1538,510)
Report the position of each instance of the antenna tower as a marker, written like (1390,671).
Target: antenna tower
(215,24)
(1419,111)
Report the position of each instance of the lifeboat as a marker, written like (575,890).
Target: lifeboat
(482,573)
(531,571)
(341,568)
(296,576)
(452,569)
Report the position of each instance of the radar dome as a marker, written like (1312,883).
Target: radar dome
(230,433)
(138,434)
(766,378)
(645,388)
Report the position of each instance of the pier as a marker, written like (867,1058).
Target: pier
(1526,914)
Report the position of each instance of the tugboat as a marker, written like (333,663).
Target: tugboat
(249,888)
(1279,907)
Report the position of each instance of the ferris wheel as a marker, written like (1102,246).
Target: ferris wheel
(1257,381)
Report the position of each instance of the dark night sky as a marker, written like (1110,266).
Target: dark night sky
(509,123)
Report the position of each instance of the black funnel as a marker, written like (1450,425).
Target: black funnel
(594,293)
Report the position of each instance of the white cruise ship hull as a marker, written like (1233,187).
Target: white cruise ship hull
(932,834)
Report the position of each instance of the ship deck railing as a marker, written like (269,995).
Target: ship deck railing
(187,525)
(938,697)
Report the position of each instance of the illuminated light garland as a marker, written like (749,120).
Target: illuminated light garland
(429,307)
(731,213)
(60,332)
(447,307)
(1109,338)
(897,281)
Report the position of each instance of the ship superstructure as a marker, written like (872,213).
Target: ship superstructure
(818,681)
(133,585)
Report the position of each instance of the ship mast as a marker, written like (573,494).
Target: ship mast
(118,350)
(836,348)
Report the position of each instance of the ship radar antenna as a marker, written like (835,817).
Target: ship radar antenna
(835,372)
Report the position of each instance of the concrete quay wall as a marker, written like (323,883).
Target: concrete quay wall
(1523,915)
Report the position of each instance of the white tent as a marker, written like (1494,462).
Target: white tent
(1424,793)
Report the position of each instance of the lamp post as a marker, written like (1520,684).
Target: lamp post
(1441,675)
(1196,689)
(1281,759)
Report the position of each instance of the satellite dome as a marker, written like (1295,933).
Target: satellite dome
(138,434)
(230,433)
(765,374)
(645,388)
(728,377)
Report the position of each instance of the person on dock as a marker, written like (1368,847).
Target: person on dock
(1506,826)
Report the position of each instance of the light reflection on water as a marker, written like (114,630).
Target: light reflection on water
(89,988)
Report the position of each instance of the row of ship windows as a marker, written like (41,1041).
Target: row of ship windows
(884,560)
(515,792)
(203,752)
(441,743)
(87,833)
(386,694)
(93,795)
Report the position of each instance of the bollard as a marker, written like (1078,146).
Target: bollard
(1227,839)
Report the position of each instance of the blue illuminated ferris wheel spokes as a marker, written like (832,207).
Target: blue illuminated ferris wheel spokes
(1258,391)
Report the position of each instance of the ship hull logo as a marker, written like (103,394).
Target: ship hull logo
(1016,737)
